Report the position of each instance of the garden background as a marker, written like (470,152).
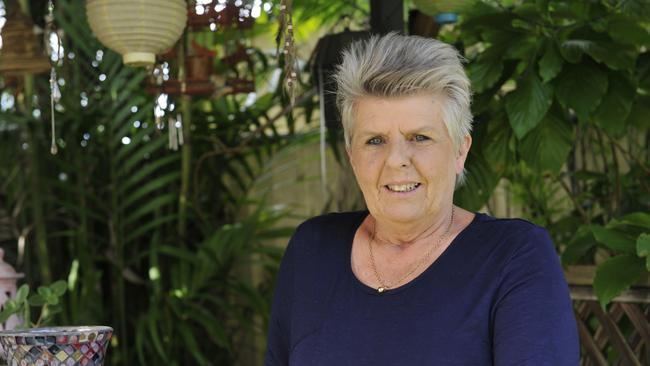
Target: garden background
(175,242)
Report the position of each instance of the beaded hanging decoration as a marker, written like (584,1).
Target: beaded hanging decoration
(285,37)
(55,93)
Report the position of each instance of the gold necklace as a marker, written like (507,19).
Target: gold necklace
(383,286)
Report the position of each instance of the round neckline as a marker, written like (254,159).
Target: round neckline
(373,291)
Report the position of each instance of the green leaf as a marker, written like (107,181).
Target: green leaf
(483,73)
(6,313)
(615,55)
(36,300)
(643,248)
(579,246)
(22,293)
(59,288)
(573,49)
(152,325)
(643,70)
(44,291)
(551,63)
(496,147)
(481,181)
(527,105)
(625,30)
(150,207)
(52,300)
(189,341)
(616,240)
(612,113)
(547,146)
(615,275)
(639,116)
(641,219)
(581,88)
(10,308)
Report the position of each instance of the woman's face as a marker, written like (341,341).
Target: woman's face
(403,157)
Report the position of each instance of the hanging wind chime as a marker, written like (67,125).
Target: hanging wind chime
(55,93)
(286,38)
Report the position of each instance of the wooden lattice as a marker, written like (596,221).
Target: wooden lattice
(619,335)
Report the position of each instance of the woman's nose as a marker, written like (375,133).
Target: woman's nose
(399,154)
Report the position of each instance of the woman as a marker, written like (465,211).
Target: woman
(415,280)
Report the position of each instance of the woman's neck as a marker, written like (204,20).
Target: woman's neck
(404,235)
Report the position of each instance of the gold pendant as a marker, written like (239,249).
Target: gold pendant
(381,289)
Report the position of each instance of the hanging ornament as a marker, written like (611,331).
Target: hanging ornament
(137,29)
(55,92)
(286,38)
(175,125)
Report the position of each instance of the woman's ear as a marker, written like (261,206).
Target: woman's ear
(462,153)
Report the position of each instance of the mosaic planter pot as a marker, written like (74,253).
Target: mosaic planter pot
(56,346)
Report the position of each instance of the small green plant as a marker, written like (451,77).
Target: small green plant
(48,298)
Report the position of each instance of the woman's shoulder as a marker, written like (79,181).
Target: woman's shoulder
(508,226)
(332,222)
(511,236)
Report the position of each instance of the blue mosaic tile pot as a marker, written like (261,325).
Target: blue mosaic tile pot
(56,346)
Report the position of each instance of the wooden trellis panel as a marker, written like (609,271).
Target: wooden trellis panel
(617,336)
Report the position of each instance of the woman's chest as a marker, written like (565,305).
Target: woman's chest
(359,329)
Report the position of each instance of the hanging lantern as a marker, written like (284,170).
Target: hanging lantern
(137,29)
(21,51)
(444,11)
(8,279)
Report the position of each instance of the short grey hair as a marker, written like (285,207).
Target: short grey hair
(395,65)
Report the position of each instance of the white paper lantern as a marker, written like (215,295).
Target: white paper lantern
(137,29)
(435,7)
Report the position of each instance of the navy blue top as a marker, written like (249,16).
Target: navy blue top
(495,296)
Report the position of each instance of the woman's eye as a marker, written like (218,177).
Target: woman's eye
(375,141)
(420,138)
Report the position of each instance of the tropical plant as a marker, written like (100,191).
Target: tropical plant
(152,241)
(562,103)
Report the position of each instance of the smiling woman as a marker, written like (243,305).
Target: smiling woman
(415,280)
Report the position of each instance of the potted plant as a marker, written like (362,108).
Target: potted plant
(40,345)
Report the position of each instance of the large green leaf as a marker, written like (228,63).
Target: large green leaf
(496,148)
(625,30)
(643,248)
(527,105)
(613,239)
(551,63)
(581,88)
(485,70)
(615,55)
(640,219)
(615,275)
(612,113)
(573,49)
(547,146)
(481,181)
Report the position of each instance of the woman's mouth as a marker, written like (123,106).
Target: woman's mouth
(402,188)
